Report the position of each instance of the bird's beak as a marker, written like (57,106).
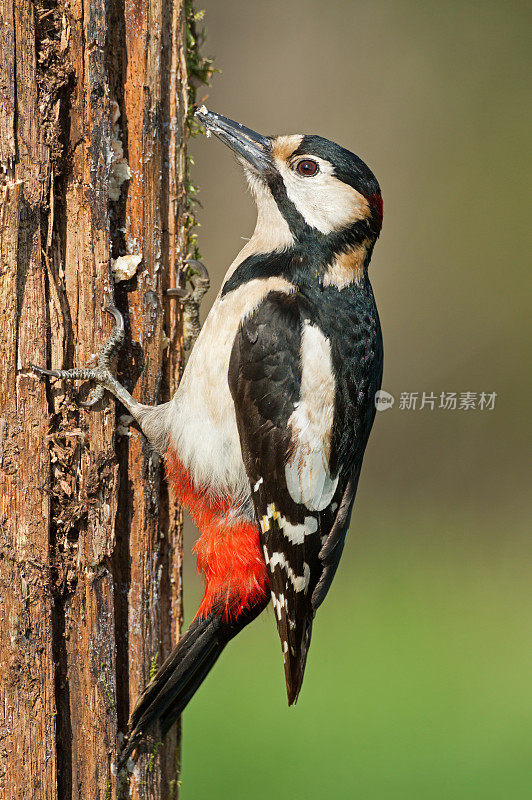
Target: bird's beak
(253,147)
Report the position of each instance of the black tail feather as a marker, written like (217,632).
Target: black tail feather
(294,662)
(199,646)
(181,674)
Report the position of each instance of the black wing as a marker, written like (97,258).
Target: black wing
(302,511)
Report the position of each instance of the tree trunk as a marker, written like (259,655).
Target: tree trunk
(90,544)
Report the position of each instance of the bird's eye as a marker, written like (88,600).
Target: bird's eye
(307,167)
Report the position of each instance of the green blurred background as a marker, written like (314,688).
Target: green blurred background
(419,681)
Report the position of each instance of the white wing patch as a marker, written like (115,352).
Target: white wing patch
(278,604)
(299,582)
(307,473)
(294,533)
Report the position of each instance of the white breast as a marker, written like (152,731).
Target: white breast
(202,419)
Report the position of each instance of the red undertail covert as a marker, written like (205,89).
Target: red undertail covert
(228,550)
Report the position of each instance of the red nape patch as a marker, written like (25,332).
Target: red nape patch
(228,550)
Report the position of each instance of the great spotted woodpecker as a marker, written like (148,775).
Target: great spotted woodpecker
(265,436)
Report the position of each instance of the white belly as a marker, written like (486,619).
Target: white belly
(203,429)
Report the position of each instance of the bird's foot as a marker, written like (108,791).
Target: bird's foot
(101,373)
(198,277)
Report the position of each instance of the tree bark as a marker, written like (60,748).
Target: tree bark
(90,543)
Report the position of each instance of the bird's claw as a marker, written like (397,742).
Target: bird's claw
(101,373)
(115,341)
(94,397)
(198,277)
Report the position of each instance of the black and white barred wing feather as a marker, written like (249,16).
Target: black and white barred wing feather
(282,384)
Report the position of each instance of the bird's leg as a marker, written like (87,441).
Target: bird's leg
(101,374)
(198,277)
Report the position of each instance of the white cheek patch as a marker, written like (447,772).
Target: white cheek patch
(307,473)
(325,202)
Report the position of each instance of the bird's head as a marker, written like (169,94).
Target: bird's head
(320,190)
